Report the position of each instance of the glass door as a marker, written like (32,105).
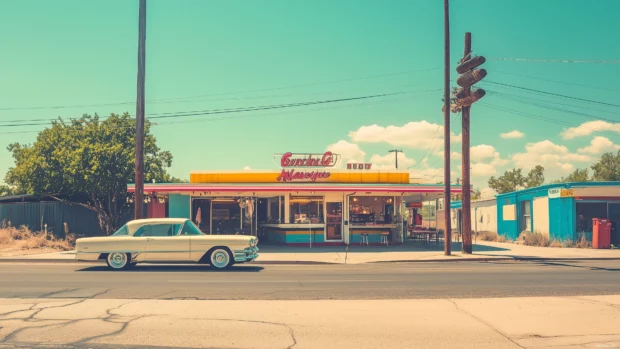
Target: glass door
(333,222)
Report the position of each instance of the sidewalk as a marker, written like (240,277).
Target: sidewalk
(559,322)
(355,254)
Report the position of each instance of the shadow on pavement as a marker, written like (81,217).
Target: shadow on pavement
(175,268)
(576,264)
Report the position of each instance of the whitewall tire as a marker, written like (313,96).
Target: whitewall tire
(220,258)
(118,260)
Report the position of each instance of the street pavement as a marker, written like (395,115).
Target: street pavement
(387,305)
(300,282)
(565,322)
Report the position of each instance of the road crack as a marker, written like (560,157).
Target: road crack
(45,295)
(484,323)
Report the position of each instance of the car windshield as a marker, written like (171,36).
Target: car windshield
(122,231)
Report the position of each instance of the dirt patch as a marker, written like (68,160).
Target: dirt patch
(16,241)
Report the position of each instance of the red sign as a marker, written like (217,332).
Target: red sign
(292,175)
(327,159)
(354,166)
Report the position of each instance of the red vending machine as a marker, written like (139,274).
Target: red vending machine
(601,233)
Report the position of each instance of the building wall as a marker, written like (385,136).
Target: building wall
(484,215)
(562,220)
(179,206)
(541,212)
(510,211)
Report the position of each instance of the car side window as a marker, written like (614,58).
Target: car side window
(161,230)
(142,231)
(189,228)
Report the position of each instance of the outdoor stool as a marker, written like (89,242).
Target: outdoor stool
(384,238)
(364,238)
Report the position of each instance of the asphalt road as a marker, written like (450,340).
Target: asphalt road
(297,282)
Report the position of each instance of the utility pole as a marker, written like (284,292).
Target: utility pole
(465,187)
(446,132)
(396,151)
(139,169)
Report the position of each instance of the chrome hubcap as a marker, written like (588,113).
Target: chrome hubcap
(220,258)
(117,260)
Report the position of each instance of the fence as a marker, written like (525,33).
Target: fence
(35,215)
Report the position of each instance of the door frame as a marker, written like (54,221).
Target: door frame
(342,214)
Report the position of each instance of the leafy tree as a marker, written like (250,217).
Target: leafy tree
(476,194)
(536,177)
(6,190)
(579,175)
(607,168)
(88,161)
(510,181)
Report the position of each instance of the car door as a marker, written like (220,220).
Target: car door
(164,244)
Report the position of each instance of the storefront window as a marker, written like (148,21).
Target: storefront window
(226,216)
(368,210)
(306,209)
(588,210)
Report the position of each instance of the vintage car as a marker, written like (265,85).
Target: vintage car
(167,240)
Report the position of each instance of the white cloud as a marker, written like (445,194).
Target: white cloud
(482,152)
(415,134)
(455,155)
(589,127)
(599,145)
(512,135)
(483,170)
(427,173)
(556,159)
(388,161)
(247,168)
(349,152)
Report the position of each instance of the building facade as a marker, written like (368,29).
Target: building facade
(307,202)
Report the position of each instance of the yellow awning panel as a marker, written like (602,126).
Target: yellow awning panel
(374,177)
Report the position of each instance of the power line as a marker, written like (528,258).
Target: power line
(257,114)
(216,94)
(542,118)
(507,97)
(551,80)
(548,101)
(237,110)
(554,94)
(554,60)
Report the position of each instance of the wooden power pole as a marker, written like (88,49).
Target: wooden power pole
(446,133)
(396,151)
(466,192)
(139,169)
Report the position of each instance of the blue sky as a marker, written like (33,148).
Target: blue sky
(208,54)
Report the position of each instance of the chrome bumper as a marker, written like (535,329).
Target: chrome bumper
(246,255)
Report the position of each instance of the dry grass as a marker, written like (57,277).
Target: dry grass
(582,242)
(534,239)
(25,239)
(490,236)
(556,243)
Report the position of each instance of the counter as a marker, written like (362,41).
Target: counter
(373,231)
(293,234)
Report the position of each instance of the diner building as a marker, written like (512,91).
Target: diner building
(308,201)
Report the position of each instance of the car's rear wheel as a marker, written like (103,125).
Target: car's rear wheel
(220,258)
(118,260)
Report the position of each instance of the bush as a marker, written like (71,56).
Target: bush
(581,242)
(23,238)
(556,243)
(490,236)
(534,239)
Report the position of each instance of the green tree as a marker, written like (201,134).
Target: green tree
(6,190)
(536,177)
(510,181)
(476,194)
(579,175)
(88,161)
(607,168)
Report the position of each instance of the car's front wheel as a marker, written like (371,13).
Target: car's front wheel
(220,258)
(118,260)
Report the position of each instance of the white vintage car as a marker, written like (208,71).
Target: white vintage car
(167,240)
